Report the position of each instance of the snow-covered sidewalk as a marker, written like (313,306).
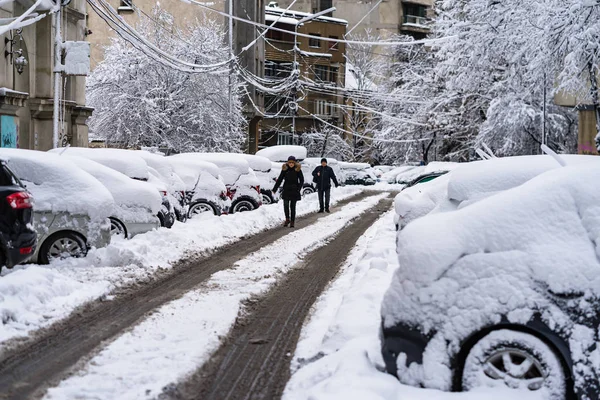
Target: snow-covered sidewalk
(32,296)
(181,336)
(338,355)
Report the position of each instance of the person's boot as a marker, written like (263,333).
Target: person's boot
(327,211)
(286,223)
(292,224)
(321,211)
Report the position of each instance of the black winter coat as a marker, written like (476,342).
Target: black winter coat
(323,181)
(293,180)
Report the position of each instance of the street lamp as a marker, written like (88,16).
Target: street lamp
(296,49)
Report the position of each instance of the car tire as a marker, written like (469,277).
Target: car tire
(201,207)
(266,199)
(307,190)
(242,205)
(67,242)
(2,260)
(117,228)
(516,359)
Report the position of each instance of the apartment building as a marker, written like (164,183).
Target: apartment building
(410,17)
(321,68)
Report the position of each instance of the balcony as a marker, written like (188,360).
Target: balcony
(415,21)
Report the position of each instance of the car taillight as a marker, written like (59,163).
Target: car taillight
(163,193)
(20,200)
(230,193)
(257,188)
(26,250)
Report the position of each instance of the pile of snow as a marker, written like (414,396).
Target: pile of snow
(281,153)
(58,185)
(124,161)
(69,283)
(134,201)
(506,255)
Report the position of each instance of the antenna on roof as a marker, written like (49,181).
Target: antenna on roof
(553,154)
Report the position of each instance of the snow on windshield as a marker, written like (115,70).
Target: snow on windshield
(164,168)
(124,161)
(58,185)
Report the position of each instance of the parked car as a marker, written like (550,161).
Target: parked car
(132,165)
(243,187)
(503,290)
(392,175)
(205,190)
(71,206)
(136,203)
(175,185)
(280,154)
(262,167)
(18,240)
(309,164)
(358,174)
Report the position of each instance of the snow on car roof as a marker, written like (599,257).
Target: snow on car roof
(58,185)
(126,191)
(230,167)
(124,161)
(281,153)
(190,170)
(469,180)
(358,166)
(257,163)
(164,169)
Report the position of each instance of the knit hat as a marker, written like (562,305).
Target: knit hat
(324,160)
(291,158)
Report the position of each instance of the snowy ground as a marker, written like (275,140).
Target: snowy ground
(34,296)
(181,336)
(338,356)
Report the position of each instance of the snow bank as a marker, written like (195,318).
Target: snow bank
(140,363)
(124,161)
(73,282)
(338,355)
(58,185)
(507,255)
(281,153)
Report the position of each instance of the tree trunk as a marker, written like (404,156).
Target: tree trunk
(595,100)
(426,149)
(325,144)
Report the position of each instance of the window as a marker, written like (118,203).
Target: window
(284,138)
(415,10)
(274,35)
(276,105)
(322,107)
(333,74)
(313,42)
(334,46)
(126,4)
(321,73)
(275,69)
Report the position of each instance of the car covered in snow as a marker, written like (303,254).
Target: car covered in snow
(205,190)
(243,187)
(132,165)
(136,204)
(358,174)
(263,168)
(17,237)
(280,153)
(505,289)
(71,206)
(392,175)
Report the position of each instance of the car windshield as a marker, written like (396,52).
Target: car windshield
(7,178)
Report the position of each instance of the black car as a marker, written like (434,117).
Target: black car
(17,237)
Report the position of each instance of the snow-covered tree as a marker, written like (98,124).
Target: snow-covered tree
(139,101)
(327,142)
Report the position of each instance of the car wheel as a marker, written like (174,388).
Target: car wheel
(242,206)
(201,208)
(517,360)
(62,245)
(266,199)
(307,190)
(117,228)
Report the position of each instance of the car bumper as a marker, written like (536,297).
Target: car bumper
(402,339)
(137,228)
(22,249)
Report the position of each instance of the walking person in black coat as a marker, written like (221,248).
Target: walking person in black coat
(293,179)
(322,176)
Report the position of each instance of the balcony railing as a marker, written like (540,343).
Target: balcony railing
(416,21)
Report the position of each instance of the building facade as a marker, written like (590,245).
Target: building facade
(27,83)
(388,18)
(321,75)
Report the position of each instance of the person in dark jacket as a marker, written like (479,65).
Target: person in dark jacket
(322,177)
(293,179)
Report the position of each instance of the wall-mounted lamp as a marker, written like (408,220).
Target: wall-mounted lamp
(16,55)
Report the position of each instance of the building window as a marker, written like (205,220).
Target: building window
(275,69)
(322,107)
(314,42)
(284,138)
(333,74)
(334,46)
(126,5)
(325,4)
(321,73)
(415,14)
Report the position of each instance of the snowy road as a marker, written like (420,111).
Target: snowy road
(43,362)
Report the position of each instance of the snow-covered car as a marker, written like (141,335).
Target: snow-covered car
(262,167)
(71,207)
(175,185)
(132,165)
(503,291)
(243,187)
(392,175)
(280,153)
(358,174)
(205,189)
(136,203)
(309,164)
